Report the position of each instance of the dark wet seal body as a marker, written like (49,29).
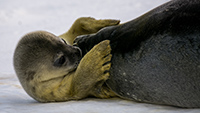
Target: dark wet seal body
(156,57)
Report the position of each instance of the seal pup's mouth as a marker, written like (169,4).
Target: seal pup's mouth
(75,66)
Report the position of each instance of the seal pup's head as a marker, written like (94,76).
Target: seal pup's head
(41,57)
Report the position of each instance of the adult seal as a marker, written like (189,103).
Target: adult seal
(156,57)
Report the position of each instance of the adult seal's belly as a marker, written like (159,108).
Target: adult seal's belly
(156,57)
(163,70)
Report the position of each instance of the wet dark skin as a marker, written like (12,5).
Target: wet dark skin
(156,57)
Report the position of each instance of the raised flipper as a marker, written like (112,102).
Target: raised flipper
(86,25)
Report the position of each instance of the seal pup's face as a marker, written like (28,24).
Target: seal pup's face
(41,56)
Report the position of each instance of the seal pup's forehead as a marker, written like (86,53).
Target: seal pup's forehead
(39,37)
(39,43)
(33,48)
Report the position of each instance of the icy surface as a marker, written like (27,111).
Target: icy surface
(18,17)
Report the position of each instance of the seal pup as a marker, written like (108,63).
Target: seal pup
(51,70)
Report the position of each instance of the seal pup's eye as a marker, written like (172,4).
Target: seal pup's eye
(60,61)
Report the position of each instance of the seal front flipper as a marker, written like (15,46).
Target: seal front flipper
(92,72)
(86,25)
(92,25)
(86,42)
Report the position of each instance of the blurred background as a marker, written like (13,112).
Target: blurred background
(18,17)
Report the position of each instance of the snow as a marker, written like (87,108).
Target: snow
(18,17)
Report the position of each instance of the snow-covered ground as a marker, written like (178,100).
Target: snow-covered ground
(18,17)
